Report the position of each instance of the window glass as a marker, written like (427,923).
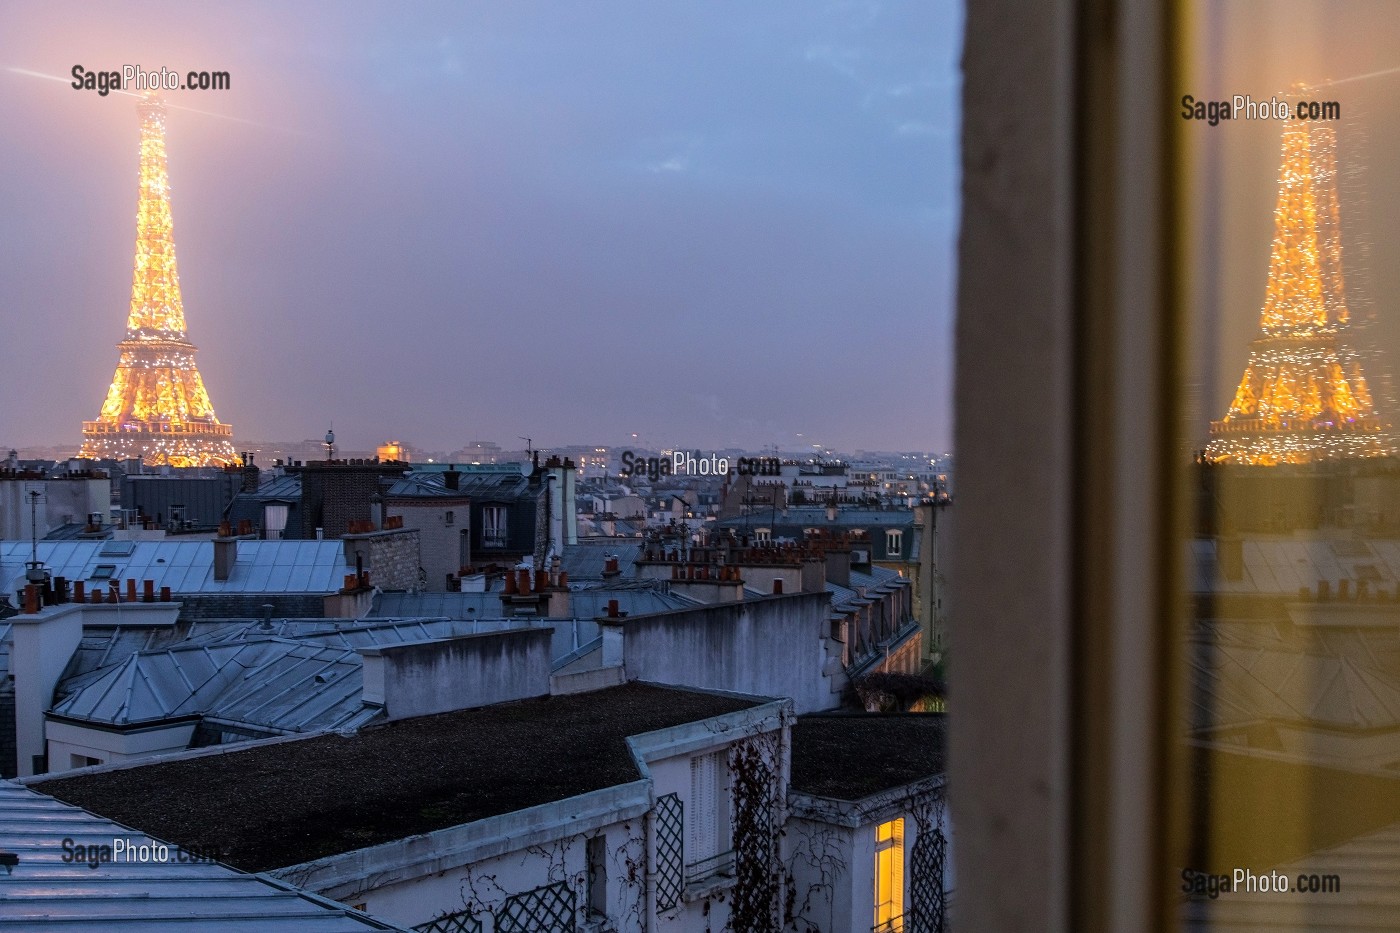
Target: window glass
(1286,783)
(889,876)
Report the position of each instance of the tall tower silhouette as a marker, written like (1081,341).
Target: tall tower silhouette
(1304,397)
(157,408)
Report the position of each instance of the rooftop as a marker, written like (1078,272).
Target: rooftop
(634,598)
(586,559)
(186,566)
(852,757)
(296,675)
(44,892)
(287,802)
(1280,565)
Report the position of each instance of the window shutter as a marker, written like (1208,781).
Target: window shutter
(704,808)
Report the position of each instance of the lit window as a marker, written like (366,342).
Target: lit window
(889,877)
(894,543)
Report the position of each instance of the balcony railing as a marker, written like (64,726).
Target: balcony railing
(722,864)
(892,925)
(491,538)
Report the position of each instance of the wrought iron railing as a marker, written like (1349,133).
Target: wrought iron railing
(721,864)
(892,925)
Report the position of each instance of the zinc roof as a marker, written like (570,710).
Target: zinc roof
(186,566)
(44,892)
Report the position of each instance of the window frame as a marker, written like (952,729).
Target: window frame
(890,866)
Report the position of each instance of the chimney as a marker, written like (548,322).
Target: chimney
(251,474)
(225,554)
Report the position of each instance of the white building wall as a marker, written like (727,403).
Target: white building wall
(67,739)
(483,888)
(830,858)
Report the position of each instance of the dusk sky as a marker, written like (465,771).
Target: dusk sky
(710,224)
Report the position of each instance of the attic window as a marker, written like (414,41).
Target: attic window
(104,572)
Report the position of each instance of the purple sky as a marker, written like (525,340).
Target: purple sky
(712,224)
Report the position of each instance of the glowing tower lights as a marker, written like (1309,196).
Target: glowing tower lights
(157,407)
(1304,396)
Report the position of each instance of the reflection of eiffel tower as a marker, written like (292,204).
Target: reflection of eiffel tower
(1304,396)
(157,408)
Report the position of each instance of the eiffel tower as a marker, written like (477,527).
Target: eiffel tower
(157,408)
(1304,397)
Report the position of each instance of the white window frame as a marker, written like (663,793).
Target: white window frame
(494,526)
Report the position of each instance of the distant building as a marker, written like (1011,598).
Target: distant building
(178,500)
(394,450)
(337,493)
(81,497)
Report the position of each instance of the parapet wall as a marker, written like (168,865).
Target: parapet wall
(775,646)
(422,678)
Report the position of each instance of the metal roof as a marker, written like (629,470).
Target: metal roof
(584,603)
(303,675)
(44,892)
(286,487)
(1341,680)
(585,560)
(279,684)
(815,517)
(187,566)
(1282,565)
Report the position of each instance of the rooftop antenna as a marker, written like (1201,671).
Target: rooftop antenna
(529,450)
(34,573)
(330,442)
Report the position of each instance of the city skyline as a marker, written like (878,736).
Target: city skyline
(728,224)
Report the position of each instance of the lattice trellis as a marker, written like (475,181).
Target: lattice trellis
(928,909)
(549,909)
(461,922)
(755,840)
(670,851)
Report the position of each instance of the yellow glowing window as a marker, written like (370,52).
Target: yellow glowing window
(889,877)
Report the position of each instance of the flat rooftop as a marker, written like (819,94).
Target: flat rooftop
(852,757)
(285,803)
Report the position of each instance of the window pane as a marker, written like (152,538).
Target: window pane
(1286,785)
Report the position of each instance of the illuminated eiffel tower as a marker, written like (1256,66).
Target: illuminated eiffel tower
(1304,397)
(157,408)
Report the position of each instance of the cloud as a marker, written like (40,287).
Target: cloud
(676,163)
